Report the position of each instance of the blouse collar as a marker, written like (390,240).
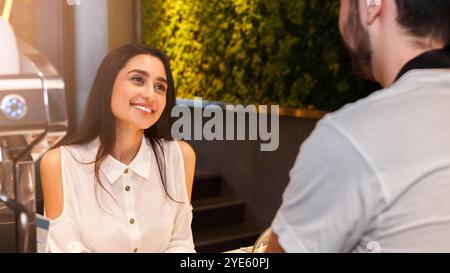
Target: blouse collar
(113,168)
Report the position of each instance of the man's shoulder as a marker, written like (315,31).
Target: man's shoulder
(357,112)
(391,104)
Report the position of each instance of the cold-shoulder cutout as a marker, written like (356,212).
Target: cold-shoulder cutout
(189,159)
(52,186)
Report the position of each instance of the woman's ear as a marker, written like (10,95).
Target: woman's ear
(373,10)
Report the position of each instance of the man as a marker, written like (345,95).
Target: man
(375,175)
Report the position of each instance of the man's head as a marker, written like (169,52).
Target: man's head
(382,35)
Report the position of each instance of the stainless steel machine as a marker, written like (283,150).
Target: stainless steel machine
(32,119)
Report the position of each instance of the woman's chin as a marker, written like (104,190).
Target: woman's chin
(145,126)
(140,122)
(143,123)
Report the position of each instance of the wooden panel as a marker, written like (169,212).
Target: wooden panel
(121,23)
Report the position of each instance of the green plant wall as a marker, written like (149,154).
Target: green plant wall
(254,51)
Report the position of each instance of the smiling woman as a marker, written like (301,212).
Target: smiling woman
(139,93)
(124,147)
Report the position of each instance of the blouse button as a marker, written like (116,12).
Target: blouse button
(131,221)
(127,188)
(126,171)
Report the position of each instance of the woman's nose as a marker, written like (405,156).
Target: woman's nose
(149,92)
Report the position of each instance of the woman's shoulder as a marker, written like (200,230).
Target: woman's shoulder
(51,159)
(182,157)
(82,152)
(186,150)
(51,182)
(174,147)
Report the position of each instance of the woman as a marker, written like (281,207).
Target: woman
(121,184)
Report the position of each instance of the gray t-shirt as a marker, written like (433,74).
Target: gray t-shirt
(375,175)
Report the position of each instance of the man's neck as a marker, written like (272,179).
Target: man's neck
(394,59)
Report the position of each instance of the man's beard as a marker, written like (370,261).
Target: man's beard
(361,54)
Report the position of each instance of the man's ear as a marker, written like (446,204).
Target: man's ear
(373,10)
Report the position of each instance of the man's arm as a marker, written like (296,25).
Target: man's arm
(333,196)
(274,246)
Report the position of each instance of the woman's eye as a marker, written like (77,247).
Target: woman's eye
(161,87)
(138,80)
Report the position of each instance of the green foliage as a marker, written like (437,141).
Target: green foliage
(286,52)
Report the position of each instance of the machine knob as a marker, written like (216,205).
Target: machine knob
(14,106)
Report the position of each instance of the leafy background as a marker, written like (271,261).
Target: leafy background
(255,51)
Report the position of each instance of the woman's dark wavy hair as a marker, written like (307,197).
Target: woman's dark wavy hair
(99,121)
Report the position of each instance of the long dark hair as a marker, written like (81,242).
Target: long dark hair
(98,119)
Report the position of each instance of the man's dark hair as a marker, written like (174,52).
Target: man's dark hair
(425,18)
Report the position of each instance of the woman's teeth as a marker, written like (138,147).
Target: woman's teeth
(145,109)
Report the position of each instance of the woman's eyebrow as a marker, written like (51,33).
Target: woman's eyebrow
(142,72)
(145,73)
(162,80)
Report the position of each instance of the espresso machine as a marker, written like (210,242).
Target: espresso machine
(32,120)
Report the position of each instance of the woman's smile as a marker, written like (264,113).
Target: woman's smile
(143,108)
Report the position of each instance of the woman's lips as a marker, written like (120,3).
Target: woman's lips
(143,108)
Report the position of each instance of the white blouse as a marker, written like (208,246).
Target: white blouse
(133,214)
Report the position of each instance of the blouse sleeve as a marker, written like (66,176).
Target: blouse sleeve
(64,233)
(181,239)
(64,237)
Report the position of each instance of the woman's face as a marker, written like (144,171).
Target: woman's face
(139,92)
